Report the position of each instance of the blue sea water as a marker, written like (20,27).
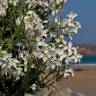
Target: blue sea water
(88,60)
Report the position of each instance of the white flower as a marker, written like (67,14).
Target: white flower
(68,72)
(40,43)
(70,45)
(65,1)
(69,49)
(76,58)
(13,63)
(70,37)
(34,3)
(14,2)
(4,3)
(64,23)
(71,23)
(6,56)
(54,12)
(32,66)
(30,13)
(4,65)
(2,11)
(72,15)
(18,20)
(59,52)
(28,22)
(53,66)
(62,57)
(33,87)
(78,24)
(45,59)
(45,3)
(68,60)
(19,71)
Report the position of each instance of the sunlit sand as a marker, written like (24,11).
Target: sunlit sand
(84,80)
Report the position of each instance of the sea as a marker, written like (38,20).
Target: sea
(88,60)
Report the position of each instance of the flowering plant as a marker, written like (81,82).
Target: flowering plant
(33,50)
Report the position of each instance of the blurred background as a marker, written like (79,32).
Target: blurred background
(86,37)
(86,10)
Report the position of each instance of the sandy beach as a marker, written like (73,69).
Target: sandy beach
(84,80)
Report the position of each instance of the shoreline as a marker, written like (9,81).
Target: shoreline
(83,66)
(84,80)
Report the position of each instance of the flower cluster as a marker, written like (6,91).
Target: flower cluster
(34,3)
(59,50)
(32,45)
(3,7)
(53,5)
(13,66)
(33,25)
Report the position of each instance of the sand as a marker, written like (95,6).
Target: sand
(84,81)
